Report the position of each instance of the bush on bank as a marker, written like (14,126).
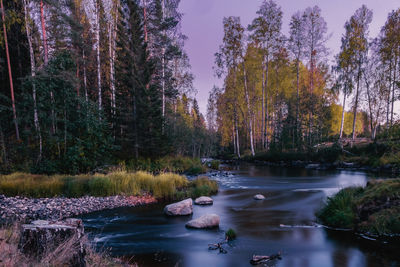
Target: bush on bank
(374,209)
(164,185)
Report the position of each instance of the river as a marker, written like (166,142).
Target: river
(283,222)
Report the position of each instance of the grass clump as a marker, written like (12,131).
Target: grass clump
(230,234)
(340,210)
(203,186)
(374,209)
(214,164)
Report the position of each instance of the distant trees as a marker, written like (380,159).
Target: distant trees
(103,81)
(285,88)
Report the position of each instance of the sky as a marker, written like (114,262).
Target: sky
(202,24)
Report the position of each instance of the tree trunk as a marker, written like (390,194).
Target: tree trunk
(84,76)
(33,74)
(343,112)
(111,46)
(246,90)
(262,109)
(9,72)
(266,145)
(145,20)
(237,137)
(97,36)
(393,89)
(356,102)
(45,48)
(298,101)
(163,68)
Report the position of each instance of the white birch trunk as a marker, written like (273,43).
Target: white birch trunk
(97,39)
(33,74)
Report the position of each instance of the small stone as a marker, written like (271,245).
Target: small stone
(203,201)
(259,197)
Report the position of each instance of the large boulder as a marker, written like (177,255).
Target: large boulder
(259,197)
(203,201)
(204,222)
(184,207)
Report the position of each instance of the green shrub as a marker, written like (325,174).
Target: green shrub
(384,222)
(214,164)
(203,186)
(372,209)
(340,210)
(230,234)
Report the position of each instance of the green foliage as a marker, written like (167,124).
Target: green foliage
(203,186)
(372,209)
(176,164)
(230,234)
(214,164)
(383,222)
(340,210)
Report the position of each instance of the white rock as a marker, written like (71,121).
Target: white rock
(259,197)
(203,201)
(184,207)
(205,221)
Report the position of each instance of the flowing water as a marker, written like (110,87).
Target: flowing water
(283,222)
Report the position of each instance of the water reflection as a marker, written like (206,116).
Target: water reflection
(283,222)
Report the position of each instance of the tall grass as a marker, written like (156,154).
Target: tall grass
(164,185)
(373,209)
(176,164)
(340,210)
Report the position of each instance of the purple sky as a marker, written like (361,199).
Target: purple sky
(202,23)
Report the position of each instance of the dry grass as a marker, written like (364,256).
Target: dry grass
(164,185)
(62,255)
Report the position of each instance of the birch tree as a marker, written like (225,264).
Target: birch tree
(266,30)
(315,29)
(33,74)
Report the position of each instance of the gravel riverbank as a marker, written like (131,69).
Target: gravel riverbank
(25,209)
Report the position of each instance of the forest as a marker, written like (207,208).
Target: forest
(87,83)
(280,93)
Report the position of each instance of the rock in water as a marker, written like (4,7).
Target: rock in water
(203,201)
(259,197)
(205,221)
(42,237)
(184,207)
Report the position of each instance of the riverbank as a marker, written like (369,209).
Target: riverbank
(373,210)
(23,209)
(25,197)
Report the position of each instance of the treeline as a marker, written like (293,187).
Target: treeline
(279,92)
(89,82)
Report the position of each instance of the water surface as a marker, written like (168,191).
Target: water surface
(284,222)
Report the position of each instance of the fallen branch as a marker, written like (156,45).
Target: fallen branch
(218,246)
(259,259)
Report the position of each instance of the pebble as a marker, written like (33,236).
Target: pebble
(22,209)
